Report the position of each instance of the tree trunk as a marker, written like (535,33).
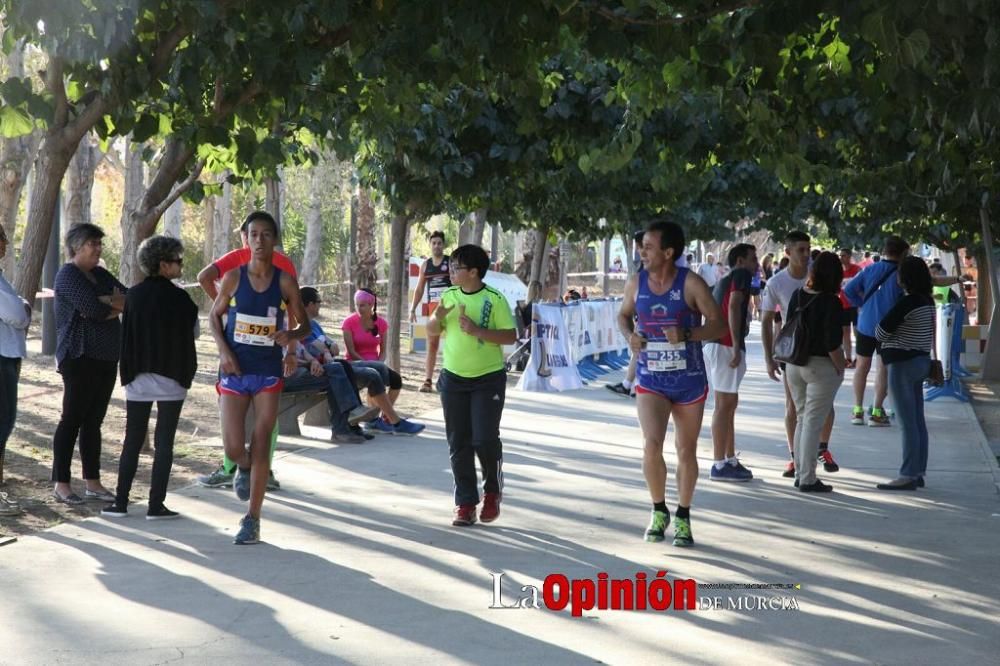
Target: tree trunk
(273,192)
(366,262)
(564,253)
(539,264)
(494,243)
(208,220)
(223,220)
(16,156)
(991,356)
(135,183)
(140,216)
(478,226)
(173,219)
(80,182)
(398,262)
(50,165)
(314,227)
(352,248)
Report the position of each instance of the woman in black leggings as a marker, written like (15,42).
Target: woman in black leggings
(88,300)
(157,365)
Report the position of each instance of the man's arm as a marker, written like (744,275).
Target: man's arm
(735,319)
(698,295)
(418,292)
(206,278)
(296,313)
(230,281)
(626,315)
(854,290)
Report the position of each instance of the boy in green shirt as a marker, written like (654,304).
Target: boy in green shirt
(475,321)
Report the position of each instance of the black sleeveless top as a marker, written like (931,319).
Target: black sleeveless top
(438,277)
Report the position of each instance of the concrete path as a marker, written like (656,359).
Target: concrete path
(361,565)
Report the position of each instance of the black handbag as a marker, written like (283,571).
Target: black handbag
(792,343)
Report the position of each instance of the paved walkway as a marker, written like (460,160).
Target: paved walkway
(361,564)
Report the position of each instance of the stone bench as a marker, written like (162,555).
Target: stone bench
(290,407)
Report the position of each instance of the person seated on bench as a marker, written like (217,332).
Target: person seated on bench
(338,382)
(369,375)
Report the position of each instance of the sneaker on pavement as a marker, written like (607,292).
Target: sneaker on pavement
(682,532)
(348,438)
(491,507)
(658,521)
(816,486)
(789,469)
(829,464)
(858,416)
(378,425)
(878,419)
(464,515)
(114,511)
(249,532)
(272,483)
(8,505)
(241,483)
(220,478)
(362,413)
(618,388)
(730,472)
(404,427)
(358,430)
(161,513)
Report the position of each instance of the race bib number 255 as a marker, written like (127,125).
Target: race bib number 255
(666,356)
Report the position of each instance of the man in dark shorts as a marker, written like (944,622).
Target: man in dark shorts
(255,299)
(435,277)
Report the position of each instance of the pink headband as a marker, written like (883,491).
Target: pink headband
(363,297)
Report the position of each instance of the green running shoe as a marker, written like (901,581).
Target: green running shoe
(682,533)
(658,522)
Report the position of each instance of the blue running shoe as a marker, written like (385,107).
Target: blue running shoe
(379,425)
(241,483)
(249,531)
(732,470)
(405,427)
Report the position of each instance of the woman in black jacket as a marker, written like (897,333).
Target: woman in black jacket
(158,362)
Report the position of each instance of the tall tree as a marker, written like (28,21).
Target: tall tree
(79,183)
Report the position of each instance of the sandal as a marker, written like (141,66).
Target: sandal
(72,498)
(426,387)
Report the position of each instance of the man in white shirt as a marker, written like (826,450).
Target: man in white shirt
(777,296)
(708,270)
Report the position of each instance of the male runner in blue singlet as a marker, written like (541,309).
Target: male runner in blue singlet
(254,298)
(670,302)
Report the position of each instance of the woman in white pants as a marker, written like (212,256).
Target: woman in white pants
(814,386)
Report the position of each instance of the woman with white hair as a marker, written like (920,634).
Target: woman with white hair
(158,362)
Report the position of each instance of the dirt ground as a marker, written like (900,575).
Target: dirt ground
(197,448)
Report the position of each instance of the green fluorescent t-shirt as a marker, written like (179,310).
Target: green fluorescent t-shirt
(466,355)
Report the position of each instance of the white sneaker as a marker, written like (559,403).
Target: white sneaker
(8,505)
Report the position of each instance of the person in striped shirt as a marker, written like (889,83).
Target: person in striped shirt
(906,334)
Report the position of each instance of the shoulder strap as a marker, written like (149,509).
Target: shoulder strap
(878,285)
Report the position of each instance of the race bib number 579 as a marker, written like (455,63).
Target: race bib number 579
(251,330)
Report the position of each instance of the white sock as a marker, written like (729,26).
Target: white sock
(627,384)
(719,464)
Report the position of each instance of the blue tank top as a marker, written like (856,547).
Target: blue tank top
(251,317)
(664,366)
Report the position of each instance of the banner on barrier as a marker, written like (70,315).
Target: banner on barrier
(551,367)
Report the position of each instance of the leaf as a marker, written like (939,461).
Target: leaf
(145,128)
(914,47)
(14,122)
